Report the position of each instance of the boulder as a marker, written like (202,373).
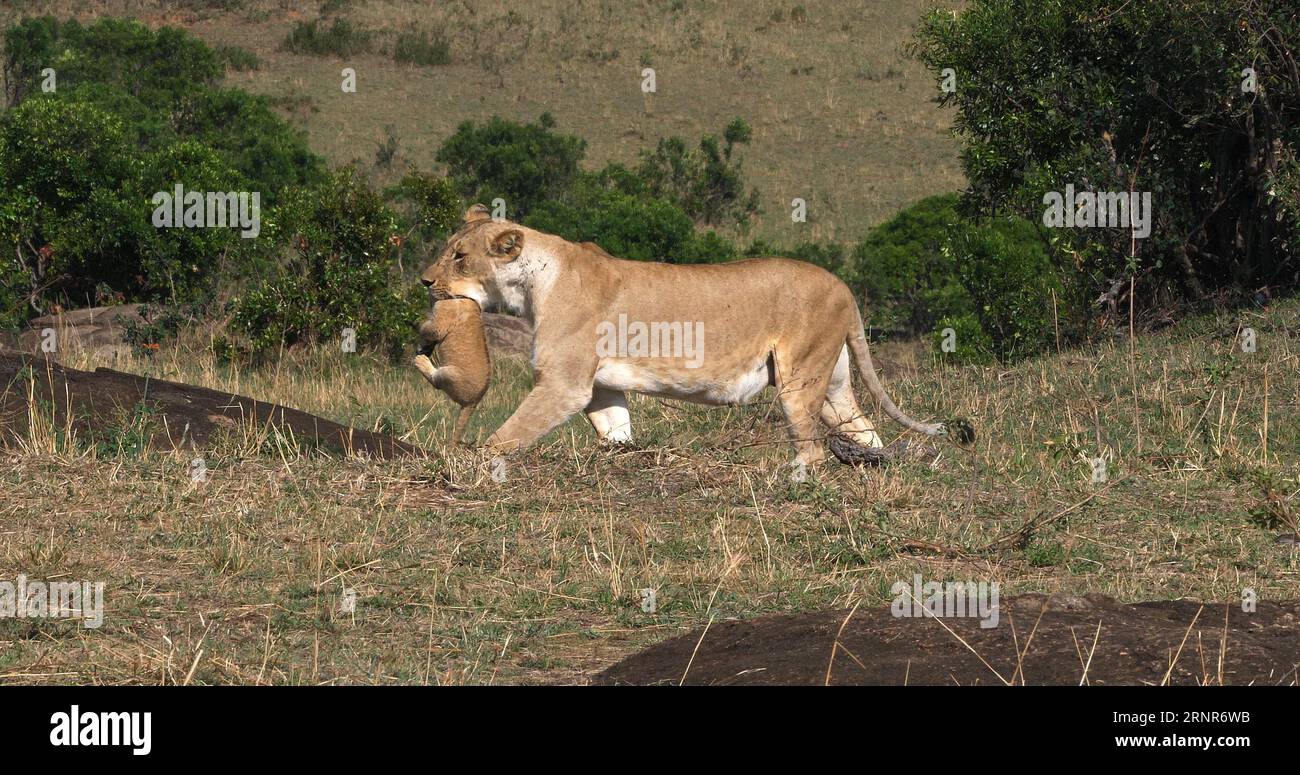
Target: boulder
(101,330)
(507,335)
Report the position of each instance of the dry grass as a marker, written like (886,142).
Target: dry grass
(463,579)
(820,88)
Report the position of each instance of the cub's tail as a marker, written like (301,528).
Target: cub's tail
(462,420)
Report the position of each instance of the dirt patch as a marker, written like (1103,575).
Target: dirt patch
(178,415)
(1136,644)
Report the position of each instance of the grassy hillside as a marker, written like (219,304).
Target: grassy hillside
(464,579)
(841,116)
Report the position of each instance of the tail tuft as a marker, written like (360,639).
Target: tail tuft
(960,431)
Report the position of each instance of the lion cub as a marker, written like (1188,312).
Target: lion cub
(455,327)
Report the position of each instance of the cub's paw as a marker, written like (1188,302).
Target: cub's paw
(425,366)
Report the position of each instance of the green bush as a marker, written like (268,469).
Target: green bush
(649,213)
(341,273)
(429,209)
(237,58)
(607,209)
(903,272)
(1010,283)
(181,264)
(705,183)
(523,164)
(75,207)
(929,268)
(961,338)
(162,86)
(152,66)
(135,112)
(244,129)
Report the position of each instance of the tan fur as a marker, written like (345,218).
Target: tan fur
(455,327)
(769,321)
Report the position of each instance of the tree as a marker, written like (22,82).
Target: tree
(1150,97)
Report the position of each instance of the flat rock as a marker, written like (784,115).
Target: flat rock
(180,416)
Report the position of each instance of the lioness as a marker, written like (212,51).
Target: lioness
(711,333)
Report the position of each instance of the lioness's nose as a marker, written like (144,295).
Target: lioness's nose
(426,283)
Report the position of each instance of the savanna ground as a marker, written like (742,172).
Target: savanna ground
(841,116)
(461,578)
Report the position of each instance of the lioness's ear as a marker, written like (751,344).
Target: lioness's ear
(508,244)
(477,213)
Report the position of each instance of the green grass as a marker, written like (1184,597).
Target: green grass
(236,58)
(340,39)
(421,48)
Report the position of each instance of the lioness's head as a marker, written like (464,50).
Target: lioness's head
(468,266)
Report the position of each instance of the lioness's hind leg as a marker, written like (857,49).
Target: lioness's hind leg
(841,412)
(801,400)
(608,414)
(801,407)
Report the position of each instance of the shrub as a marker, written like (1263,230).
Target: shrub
(902,270)
(75,207)
(706,183)
(261,146)
(342,39)
(159,325)
(965,334)
(135,113)
(432,207)
(154,67)
(1010,283)
(67,208)
(237,58)
(605,208)
(162,86)
(524,164)
(421,48)
(341,273)
(182,264)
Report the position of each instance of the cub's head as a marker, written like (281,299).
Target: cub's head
(468,266)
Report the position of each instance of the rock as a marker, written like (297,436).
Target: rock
(97,403)
(91,328)
(507,335)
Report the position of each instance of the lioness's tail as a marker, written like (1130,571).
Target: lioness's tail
(857,341)
(462,420)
